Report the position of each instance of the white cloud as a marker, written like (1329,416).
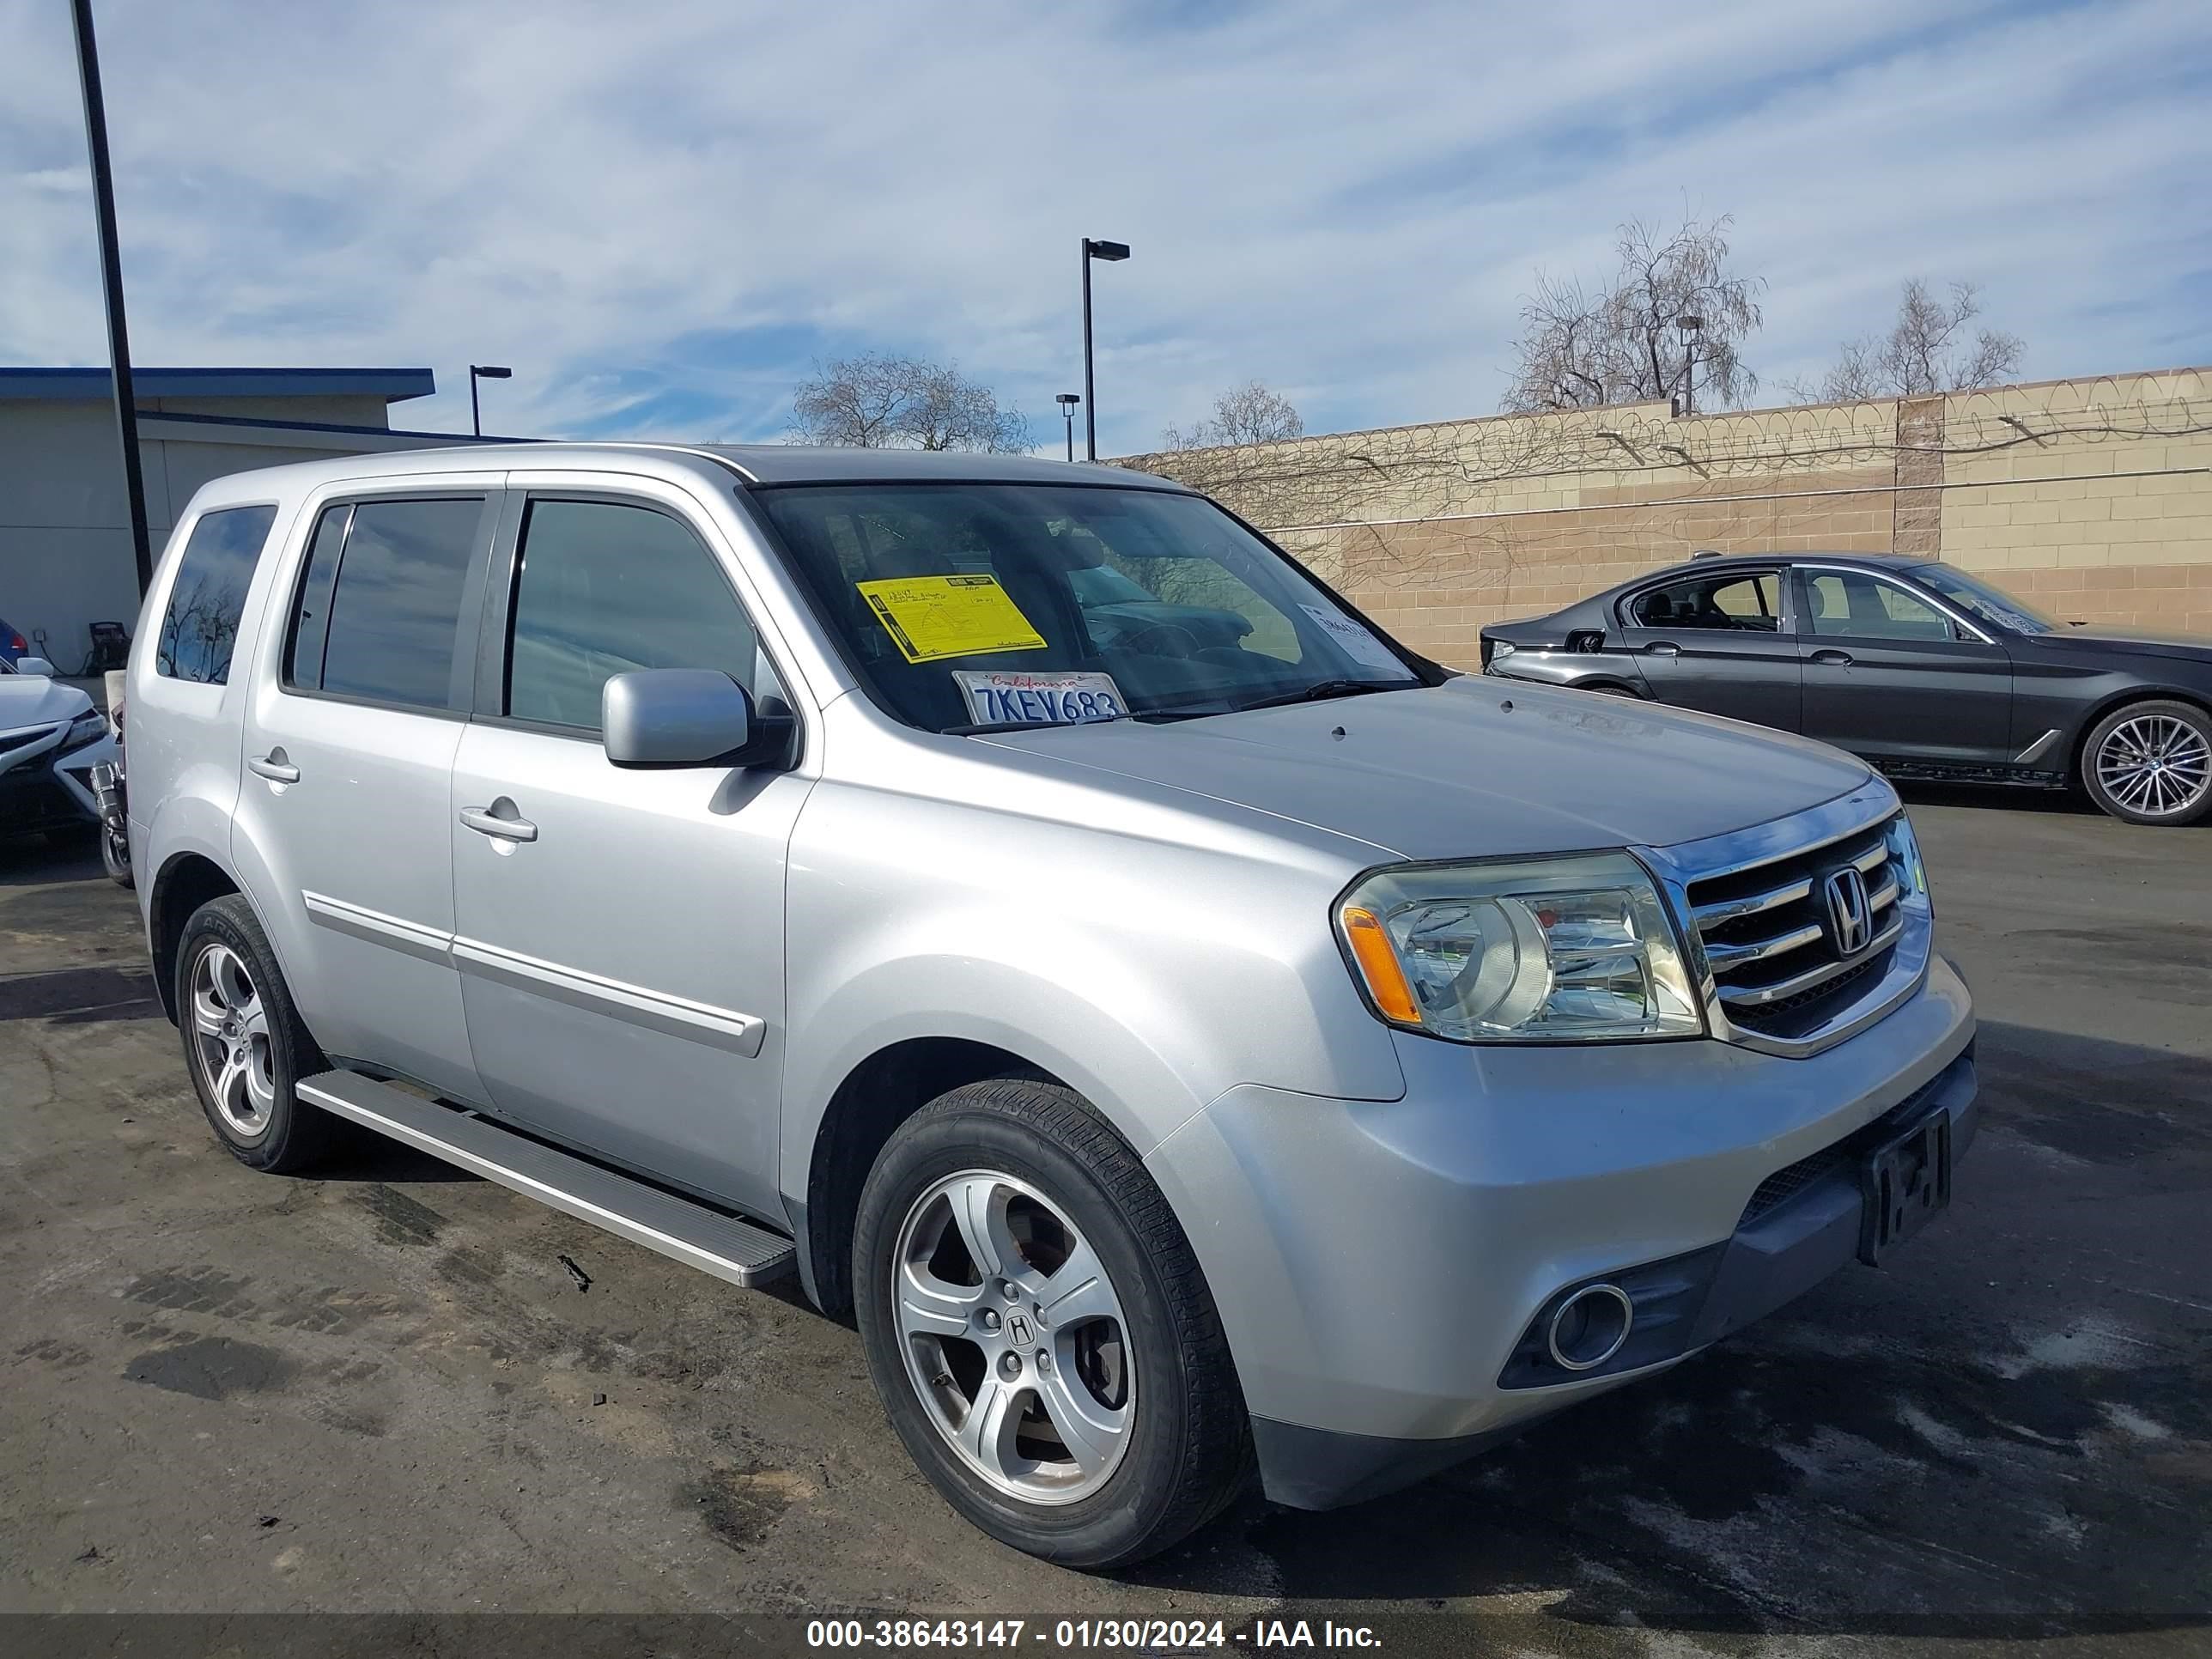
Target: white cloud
(1343,200)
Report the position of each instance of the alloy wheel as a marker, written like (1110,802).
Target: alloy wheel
(2157,765)
(230,1040)
(1014,1338)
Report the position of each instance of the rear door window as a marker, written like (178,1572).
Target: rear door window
(380,608)
(207,599)
(1748,601)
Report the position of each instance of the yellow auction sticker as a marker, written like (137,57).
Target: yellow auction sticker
(932,616)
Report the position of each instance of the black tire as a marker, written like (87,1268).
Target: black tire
(116,860)
(2189,731)
(294,1134)
(1188,1453)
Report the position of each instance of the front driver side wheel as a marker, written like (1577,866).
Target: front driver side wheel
(1039,1331)
(2151,762)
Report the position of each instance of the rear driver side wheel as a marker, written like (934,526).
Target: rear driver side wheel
(2151,762)
(245,1045)
(1039,1332)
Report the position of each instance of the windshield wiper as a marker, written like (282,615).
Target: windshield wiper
(1322,690)
(1141,716)
(988,726)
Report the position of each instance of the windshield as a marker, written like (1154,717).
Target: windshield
(1984,603)
(967,605)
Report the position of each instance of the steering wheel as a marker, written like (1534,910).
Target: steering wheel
(1162,632)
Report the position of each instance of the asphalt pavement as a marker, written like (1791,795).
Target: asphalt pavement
(380,1390)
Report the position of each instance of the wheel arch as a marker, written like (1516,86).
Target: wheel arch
(186,881)
(874,1098)
(2077,742)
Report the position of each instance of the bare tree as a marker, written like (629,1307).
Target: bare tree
(1249,413)
(880,401)
(1671,323)
(1923,353)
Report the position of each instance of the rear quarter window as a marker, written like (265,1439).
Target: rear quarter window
(199,629)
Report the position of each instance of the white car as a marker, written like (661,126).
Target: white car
(51,737)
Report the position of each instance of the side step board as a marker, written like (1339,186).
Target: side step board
(698,1237)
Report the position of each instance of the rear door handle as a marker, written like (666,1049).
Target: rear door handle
(1832,659)
(1662,648)
(486,822)
(274,767)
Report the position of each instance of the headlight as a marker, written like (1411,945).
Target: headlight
(84,729)
(1526,950)
(1501,648)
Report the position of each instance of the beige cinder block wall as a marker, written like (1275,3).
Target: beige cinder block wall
(2092,497)
(2103,513)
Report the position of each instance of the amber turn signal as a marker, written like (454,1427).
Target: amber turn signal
(1378,965)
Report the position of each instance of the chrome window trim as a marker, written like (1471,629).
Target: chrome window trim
(1784,619)
(1915,589)
(1860,810)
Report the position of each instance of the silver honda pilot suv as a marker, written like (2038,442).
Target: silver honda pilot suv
(1194,1039)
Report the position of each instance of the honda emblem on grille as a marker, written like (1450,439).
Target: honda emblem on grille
(1850,921)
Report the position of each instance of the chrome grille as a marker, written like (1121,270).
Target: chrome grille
(1771,945)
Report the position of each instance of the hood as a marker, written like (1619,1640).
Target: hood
(1474,767)
(34,700)
(2127,641)
(31,707)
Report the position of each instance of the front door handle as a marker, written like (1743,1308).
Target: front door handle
(1662,648)
(487,822)
(274,767)
(1832,659)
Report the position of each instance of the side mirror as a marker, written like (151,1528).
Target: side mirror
(678,717)
(38,665)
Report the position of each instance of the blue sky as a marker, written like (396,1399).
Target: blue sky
(661,214)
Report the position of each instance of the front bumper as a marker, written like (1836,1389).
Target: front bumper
(1379,1265)
(35,795)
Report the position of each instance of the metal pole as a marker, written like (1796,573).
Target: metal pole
(111,278)
(1089,390)
(1070,432)
(476,420)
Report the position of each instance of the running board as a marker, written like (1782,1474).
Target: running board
(723,1245)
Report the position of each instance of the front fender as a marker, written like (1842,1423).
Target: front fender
(1126,1074)
(1150,975)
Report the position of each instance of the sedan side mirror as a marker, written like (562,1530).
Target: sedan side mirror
(679,717)
(38,665)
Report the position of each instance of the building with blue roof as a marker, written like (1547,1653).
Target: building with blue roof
(65,557)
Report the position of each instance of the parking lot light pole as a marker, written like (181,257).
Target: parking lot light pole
(1112,253)
(1067,401)
(483,372)
(111,282)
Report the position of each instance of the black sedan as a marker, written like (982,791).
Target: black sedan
(1924,670)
